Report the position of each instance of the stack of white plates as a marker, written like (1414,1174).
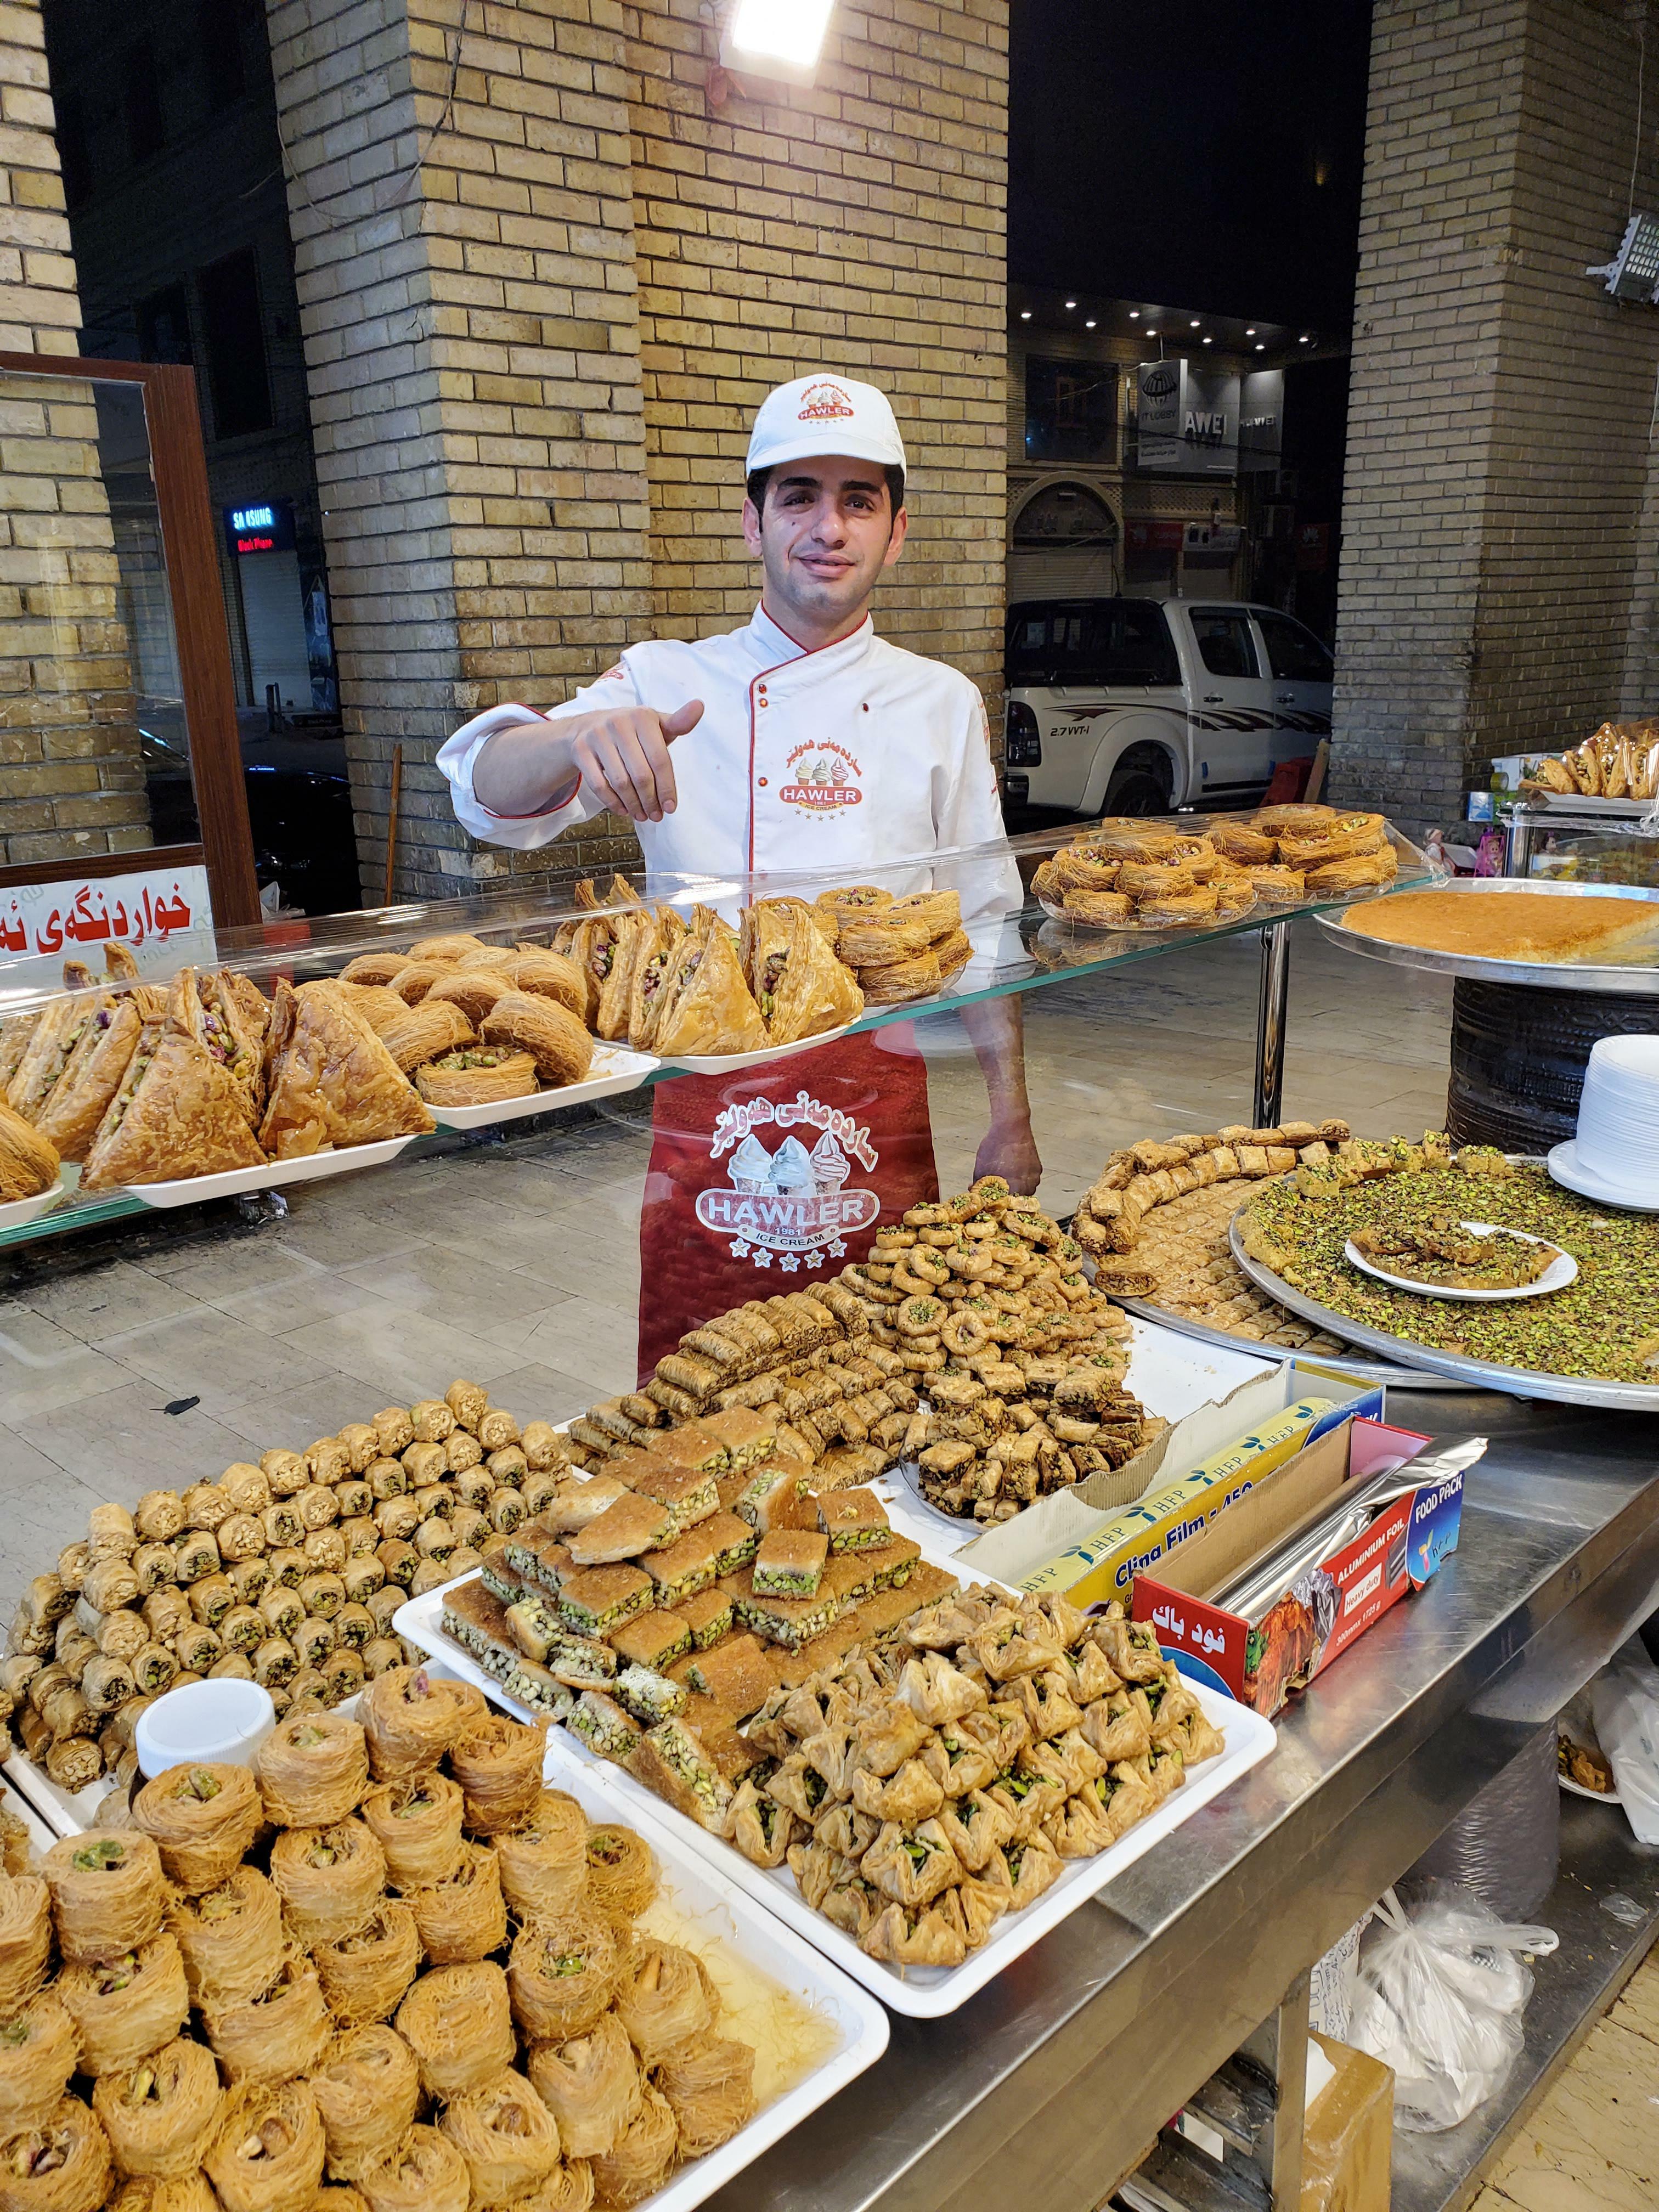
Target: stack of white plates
(1614,1157)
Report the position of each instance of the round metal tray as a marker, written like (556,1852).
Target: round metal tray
(1401,1377)
(1638,979)
(1517,1381)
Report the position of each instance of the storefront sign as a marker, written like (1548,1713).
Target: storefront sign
(1149,536)
(1260,420)
(1313,548)
(260,526)
(1187,419)
(162,916)
(1212,537)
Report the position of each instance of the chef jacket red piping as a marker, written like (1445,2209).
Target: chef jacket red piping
(806,654)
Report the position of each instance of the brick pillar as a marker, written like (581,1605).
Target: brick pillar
(1502,403)
(71,780)
(861,226)
(465,266)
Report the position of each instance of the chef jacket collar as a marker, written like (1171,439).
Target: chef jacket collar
(776,647)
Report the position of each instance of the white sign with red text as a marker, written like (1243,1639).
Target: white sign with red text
(162,916)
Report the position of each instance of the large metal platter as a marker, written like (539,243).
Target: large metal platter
(1390,1372)
(1517,1382)
(1636,979)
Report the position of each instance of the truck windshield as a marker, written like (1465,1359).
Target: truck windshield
(1091,641)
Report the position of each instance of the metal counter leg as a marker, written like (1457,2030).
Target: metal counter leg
(1281,2045)
(1270,1024)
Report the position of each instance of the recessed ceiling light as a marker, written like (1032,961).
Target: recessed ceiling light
(1135,314)
(1151,332)
(1025,314)
(1260,347)
(1193,325)
(1090,325)
(1071,303)
(1250,333)
(1304,341)
(1208,340)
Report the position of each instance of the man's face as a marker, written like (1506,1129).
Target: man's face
(826,533)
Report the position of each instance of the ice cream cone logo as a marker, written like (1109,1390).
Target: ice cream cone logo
(822,779)
(791,1201)
(824,403)
(830,1165)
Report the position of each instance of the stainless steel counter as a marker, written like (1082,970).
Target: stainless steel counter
(1053,2081)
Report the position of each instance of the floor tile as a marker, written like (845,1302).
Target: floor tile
(406,1355)
(216,1358)
(94,1302)
(43,1366)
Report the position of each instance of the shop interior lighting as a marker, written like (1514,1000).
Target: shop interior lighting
(1135,314)
(1633,271)
(780,39)
(1250,332)
(1304,341)
(1025,314)
(1071,303)
(1260,347)
(1090,325)
(1193,325)
(1206,341)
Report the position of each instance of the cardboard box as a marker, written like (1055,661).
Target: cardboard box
(1347,2140)
(1206,1463)
(1336,1603)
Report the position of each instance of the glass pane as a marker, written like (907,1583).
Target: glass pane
(94,756)
(1294,654)
(1223,640)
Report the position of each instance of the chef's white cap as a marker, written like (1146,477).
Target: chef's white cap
(825,413)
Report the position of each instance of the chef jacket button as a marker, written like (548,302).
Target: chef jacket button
(763,783)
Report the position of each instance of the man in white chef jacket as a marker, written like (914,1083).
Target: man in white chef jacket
(800,742)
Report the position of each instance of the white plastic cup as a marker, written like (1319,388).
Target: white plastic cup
(222,1723)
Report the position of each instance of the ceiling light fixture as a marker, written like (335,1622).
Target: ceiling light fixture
(1025,314)
(1090,325)
(1193,325)
(1071,303)
(1304,341)
(1151,332)
(781,39)
(1135,314)
(1206,341)
(1260,347)
(1250,332)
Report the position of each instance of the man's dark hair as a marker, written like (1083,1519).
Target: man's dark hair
(759,478)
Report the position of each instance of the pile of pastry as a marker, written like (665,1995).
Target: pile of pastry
(470,1024)
(900,948)
(977,1303)
(1126,874)
(944,1779)
(662,984)
(144,1086)
(1179,1256)
(1307,851)
(286,1573)
(1620,761)
(430,1987)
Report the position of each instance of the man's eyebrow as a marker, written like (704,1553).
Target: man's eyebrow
(816,484)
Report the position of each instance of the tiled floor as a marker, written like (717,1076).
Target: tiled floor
(178,1348)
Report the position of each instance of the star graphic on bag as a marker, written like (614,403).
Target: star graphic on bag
(789,1263)
(739,1248)
(837,1248)
(815,1259)
(763,1258)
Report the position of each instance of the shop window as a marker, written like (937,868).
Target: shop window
(1294,655)
(164,326)
(220,26)
(1096,641)
(147,129)
(1224,641)
(1071,410)
(234,335)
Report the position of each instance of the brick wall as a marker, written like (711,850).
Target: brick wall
(1500,420)
(71,782)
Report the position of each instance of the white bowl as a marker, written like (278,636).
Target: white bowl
(224,1722)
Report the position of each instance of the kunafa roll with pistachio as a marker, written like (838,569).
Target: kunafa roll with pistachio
(425,2173)
(622,1870)
(498,1763)
(589,2083)
(107,1890)
(507,2136)
(127,2005)
(62,2164)
(364,1975)
(203,1819)
(464,1917)
(312,1770)
(161,2114)
(544,1861)
(283,2032)
(154,1670)
(563,1974)
(231,1939)
(38,2051)
(25,1940)
(417,1823)
(368,2088)
(329,1879)
(410,1718)
(458,2023)
(268,2154)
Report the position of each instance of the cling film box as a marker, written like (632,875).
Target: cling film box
(1222,1453)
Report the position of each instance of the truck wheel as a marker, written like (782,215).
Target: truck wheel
(1136,788)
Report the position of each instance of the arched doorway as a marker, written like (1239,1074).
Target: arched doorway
(1063,544)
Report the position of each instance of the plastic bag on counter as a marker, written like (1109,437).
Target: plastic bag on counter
(1440,1997)
(1625,1705)
(1505,1845)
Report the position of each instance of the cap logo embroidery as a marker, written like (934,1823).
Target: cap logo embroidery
(824,403)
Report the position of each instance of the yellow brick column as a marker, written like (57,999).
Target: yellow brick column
(461,199)
(71,780)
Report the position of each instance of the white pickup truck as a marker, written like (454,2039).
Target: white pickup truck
(1142,706)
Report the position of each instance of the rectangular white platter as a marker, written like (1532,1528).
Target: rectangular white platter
(613,1070)
(924,1992)
(269,1175)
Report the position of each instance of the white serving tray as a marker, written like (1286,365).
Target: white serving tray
(924,1992)
(614,1070)
(700,1892)
(1561,1271)
(66,1812)
(192,1190)
(22,1211)
(732,1063)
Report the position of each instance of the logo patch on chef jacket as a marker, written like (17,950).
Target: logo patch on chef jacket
(791,1203)
(824,403)
(821,778)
